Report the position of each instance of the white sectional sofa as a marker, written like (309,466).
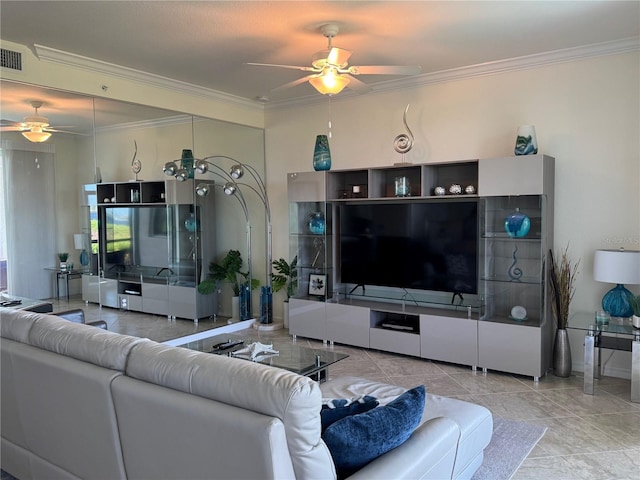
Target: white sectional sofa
(82,402)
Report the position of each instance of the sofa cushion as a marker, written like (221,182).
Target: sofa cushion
(93,345)
(356,440)
(15,324)
(338,408)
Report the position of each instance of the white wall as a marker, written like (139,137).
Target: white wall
(586,113)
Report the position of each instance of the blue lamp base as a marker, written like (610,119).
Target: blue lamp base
(616,302)
(84,258)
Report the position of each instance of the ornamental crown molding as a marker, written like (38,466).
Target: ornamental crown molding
(489,68)
(61,57)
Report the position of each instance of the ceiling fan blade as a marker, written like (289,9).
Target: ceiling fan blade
(294,83)
(384,70)
(10,128)
(304,69)
(338,56)
(55,130)
(357,85)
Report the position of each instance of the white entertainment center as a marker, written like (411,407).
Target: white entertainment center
(471,329)
(150,243)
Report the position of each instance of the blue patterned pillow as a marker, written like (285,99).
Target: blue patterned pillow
(337,409)
(356,440)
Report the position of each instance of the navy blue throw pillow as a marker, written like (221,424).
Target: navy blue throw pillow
(356,440)
(337,409)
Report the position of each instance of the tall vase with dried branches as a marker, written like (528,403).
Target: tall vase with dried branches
(563,275)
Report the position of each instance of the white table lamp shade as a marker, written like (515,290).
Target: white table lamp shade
(617,266)
(78,241)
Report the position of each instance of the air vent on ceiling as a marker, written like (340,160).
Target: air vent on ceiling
(10,59)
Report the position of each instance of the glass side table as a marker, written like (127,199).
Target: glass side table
(619,334)
(65,275)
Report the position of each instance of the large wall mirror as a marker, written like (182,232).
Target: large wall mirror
(44,202)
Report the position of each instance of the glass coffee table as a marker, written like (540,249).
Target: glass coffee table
(305,361)
(619,334)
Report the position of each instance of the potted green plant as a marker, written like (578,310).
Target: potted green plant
(635,304)
(563,277)
(63,256)
(229,269)
(285,276)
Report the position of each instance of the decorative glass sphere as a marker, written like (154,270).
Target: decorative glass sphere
(317,223)
(191,224)
(517,224)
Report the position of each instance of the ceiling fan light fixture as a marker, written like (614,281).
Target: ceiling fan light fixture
(330,82)
(36,135)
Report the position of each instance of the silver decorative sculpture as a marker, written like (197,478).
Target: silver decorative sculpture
(403,143)
(136,165)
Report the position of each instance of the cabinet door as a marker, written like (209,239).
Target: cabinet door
(307,318)
(155,298)
(449,339)
(307,187)
(91,288)
(518,175)
(182,302)
(511,348)
(397,342)
(348,324)
(109,293)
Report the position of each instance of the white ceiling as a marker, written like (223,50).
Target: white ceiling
(208,43)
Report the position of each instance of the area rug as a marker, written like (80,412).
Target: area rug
(511,443)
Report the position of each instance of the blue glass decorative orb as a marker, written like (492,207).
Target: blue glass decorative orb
(191,224)
(517,224)
(321,154)
(317,223)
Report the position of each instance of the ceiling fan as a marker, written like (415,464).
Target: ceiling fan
(34,128)
(330,70)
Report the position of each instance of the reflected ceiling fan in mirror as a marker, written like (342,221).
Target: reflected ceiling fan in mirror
(331,72)
(34,128)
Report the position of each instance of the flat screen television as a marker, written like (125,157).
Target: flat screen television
(135,236)
(414,245)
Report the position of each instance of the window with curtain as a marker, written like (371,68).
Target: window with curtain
(27,211)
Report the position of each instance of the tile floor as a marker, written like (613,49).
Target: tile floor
(589,437)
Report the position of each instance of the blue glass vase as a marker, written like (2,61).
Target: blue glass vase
(245,302)
(266,305)
(322,154)
(187,161)
(317,223)
(517,224)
